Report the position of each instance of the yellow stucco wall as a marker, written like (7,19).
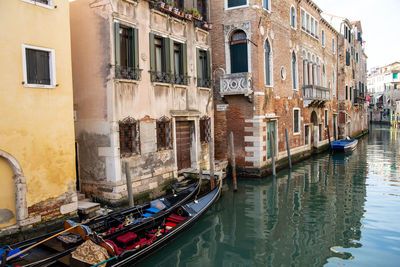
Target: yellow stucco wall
(37,125)
(7,196)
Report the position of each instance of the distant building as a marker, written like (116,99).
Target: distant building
(37,146)
(142,93)
(384,90)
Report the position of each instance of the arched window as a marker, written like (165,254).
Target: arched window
(294,71)
(324,76)
(305,69)
(268,63)
(293,17)
(238,52)
(323,38)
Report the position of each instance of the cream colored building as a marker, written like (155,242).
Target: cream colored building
(141,93)
(37,157)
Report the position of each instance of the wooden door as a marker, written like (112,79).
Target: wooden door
(183,144)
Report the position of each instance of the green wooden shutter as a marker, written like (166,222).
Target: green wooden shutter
(238,58)
(171,56)
(208,62)
(166,55)
(116,43)
(184,60)
(152,53)
(135,45)
(198,66)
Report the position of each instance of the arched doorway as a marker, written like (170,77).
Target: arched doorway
(314,128)
(238,52)
(7,197)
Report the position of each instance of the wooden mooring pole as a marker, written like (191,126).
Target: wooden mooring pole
(128,184)
(288,149)
(271,142)
(212,164)
(329,137)
(233,163)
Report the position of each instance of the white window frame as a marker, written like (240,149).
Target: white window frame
(299,120)
(268,5)
(323,38)
(310,23)
(333,46)
(271,65)
(52,67)
(49,5)
(295,17)
(296,70)
(235,7)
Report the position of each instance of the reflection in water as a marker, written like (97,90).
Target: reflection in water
(335,209)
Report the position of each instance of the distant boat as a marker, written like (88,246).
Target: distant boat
(344,145)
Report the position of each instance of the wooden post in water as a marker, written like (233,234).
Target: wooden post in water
(233,163)
(271,143)
(212,182)
(288,149)
(329,137)
(129,184)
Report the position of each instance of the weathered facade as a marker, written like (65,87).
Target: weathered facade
(37,151)
(277,71)
(353,116)
(142,93)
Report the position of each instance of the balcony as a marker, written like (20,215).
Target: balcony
(315,96)
(127,73)
(236,84)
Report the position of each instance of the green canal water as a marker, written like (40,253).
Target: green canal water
(334,210)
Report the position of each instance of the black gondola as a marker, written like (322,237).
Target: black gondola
(55,252)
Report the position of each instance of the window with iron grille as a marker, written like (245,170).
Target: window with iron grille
(164,134)
(129,137)
(205,129)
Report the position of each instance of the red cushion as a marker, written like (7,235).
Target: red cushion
(127,237)
(115,247)
(176,217)
(170,224)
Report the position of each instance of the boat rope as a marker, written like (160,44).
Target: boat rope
(200,177)
(100,263)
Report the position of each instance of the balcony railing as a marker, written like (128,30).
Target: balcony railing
(181,79)
(317,93)
(128,73)
(205,83)
(161,77)
(236,84)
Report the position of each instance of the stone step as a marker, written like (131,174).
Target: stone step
(87,207)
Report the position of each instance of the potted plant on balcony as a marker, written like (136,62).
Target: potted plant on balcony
(161,4)
(196,15)
(188,15)
(169,5)
(206,25)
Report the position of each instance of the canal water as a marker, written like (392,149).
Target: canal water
(333,209)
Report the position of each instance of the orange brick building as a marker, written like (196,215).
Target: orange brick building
(275,66)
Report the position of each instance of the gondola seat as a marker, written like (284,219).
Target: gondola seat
(126,238)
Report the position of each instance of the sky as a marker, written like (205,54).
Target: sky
(380,21)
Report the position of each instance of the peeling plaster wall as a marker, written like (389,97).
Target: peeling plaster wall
(37,126)
(101,100)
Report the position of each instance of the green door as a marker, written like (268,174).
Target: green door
(270,132)
(239,57)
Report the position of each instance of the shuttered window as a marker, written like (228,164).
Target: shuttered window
(235,3)
(296,120)
(203,68)
(126,52)
(38,66)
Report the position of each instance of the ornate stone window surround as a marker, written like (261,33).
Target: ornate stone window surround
(228,31)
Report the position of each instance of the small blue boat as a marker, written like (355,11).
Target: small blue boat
(344,145)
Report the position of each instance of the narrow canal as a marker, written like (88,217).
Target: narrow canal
(341,209)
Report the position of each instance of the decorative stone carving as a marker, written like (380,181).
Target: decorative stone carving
(178,28)
(159,21)
(244,26)
(236,84)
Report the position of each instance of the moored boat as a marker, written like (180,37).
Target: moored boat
(56,251)
(344,145)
